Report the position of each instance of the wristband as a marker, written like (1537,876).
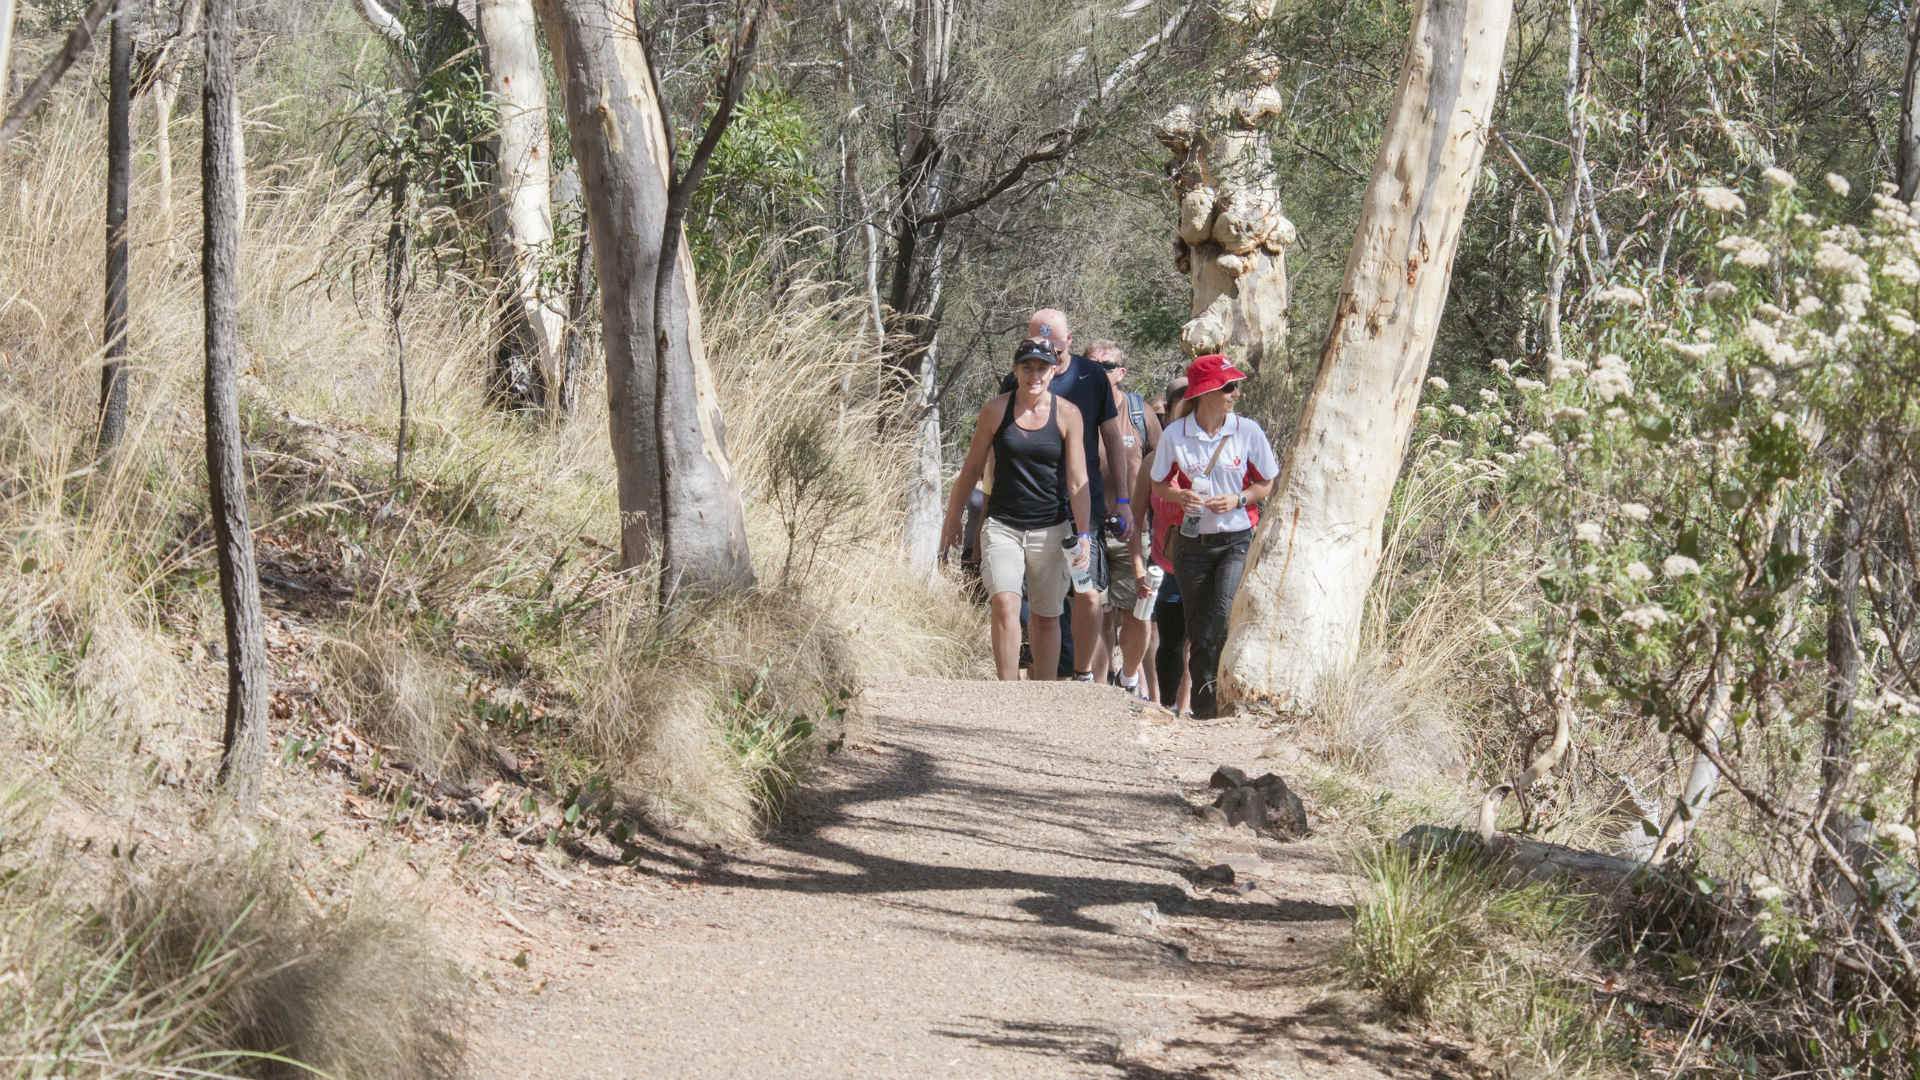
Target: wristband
(1123,502)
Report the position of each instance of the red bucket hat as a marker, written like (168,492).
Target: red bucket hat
(1209,373)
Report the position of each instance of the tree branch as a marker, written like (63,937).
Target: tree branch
(384,22)
(78,40)
(1059,142)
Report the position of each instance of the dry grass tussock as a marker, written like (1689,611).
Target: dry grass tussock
(215,966)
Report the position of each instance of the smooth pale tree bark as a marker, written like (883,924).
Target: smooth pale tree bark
(923,192)
(705,549)
(621,142)
(532,324)
(384,22)
(8,8)
(167,70)
(245,742)
(79,39)
(113,373)
(1231,239)
(1298,613)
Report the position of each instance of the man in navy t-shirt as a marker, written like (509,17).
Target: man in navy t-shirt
(1085,383)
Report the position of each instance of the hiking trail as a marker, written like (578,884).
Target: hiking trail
(989,880)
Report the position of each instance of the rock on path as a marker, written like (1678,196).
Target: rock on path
(993,881)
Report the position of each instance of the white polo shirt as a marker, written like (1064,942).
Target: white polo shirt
(1245,459)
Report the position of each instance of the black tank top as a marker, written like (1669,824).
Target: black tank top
(1029,472)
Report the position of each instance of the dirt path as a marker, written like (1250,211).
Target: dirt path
(991,882)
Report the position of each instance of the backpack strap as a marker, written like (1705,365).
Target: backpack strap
(1137,412)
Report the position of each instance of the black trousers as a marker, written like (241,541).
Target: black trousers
(1170,659)
(1210,567)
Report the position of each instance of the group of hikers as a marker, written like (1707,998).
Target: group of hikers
(1076,493)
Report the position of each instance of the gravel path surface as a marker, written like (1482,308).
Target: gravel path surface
(994,880)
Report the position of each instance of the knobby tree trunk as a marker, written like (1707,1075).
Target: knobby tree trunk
(113,373)
(79,39)
(1298,613)
(245,743)
(678,501)
(1231,239)
(532,324)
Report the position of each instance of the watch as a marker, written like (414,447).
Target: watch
(1242,504)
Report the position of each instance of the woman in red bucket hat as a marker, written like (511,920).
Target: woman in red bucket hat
(1213,464)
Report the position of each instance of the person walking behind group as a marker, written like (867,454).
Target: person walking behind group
(1037,531)
(1168,672)
(1083,383)
(1214,464)
(1132,579)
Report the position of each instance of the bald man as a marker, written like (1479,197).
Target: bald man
(1085,383)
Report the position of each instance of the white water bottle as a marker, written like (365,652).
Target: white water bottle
(1079,570)
(1190,524)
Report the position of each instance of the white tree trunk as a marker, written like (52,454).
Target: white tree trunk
(1232,238)
(166,91)
(521,220)
(6,48)
(679,502)
(1298,613)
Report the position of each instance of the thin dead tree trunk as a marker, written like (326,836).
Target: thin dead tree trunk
(245,740)
(167,71)
(399,273)
(532,325)
(1906,173)
(922,195)
(79,39)
(575,347)
(7,11)
(1297,616)
(113,373)
(1231,239)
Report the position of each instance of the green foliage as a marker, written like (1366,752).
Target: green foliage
(760,186)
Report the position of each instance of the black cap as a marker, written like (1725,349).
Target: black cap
(1031,349)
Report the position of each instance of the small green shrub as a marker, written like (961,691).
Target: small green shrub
(1445,937)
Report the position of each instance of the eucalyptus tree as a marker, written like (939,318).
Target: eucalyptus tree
(680,505)
(1297,616)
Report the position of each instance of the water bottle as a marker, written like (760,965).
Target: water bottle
(1190,524)
(1143,605)
(1081,572)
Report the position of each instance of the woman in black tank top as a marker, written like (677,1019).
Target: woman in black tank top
(1029,467)
(1039,486)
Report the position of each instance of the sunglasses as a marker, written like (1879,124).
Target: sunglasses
(1231,388)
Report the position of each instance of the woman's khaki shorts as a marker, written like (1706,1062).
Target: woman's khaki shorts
(1012,557)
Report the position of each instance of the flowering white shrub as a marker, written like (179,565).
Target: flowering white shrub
(1685,463)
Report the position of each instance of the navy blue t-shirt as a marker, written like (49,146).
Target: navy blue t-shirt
(1085,383)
